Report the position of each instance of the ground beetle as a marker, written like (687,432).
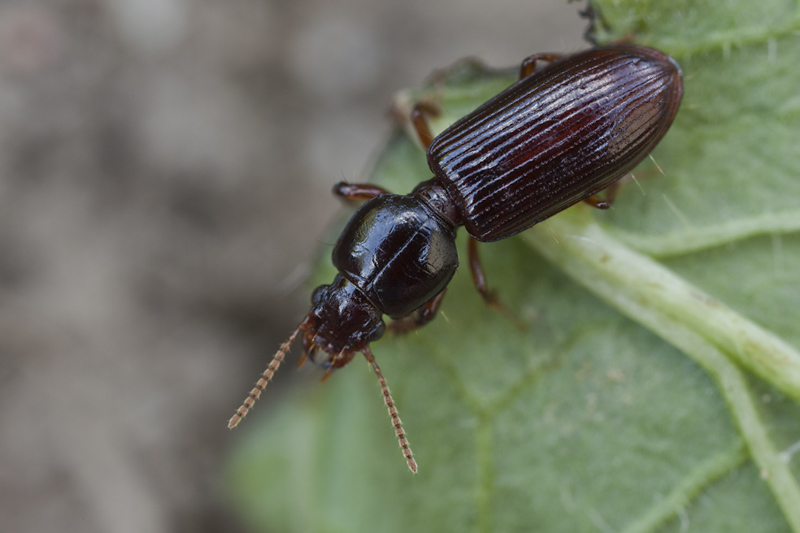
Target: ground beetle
(554,138)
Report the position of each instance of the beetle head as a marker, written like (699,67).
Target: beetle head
(341,323)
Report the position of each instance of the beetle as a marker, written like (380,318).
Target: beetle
(556,137)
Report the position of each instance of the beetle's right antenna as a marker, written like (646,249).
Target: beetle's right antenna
(387,398)
(261,384)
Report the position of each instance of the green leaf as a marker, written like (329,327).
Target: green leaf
(658,380)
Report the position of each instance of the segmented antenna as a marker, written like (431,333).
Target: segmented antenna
(387,398)
(261,384)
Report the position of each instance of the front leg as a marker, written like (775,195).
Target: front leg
(420,317)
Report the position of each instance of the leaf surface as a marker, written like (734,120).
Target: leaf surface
(657,381)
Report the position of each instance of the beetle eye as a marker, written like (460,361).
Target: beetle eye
(377,333)
(318,294)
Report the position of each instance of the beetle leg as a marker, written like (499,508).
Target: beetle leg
(417,117)
(420,317)
(529,63)
(600,202)
(476,269)
(479,279)
(418,114)
(357,191)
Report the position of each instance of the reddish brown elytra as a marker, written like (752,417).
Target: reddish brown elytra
(556,137)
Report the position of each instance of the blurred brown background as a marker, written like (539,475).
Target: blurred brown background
(165,174)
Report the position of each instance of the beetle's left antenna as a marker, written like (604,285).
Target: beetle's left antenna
(261,384)
(387,398)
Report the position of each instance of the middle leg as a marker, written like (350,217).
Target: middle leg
(357,191)
(479,279)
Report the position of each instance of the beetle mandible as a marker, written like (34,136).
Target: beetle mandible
(556,137)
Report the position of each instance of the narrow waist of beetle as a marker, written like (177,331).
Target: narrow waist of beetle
(435,196)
